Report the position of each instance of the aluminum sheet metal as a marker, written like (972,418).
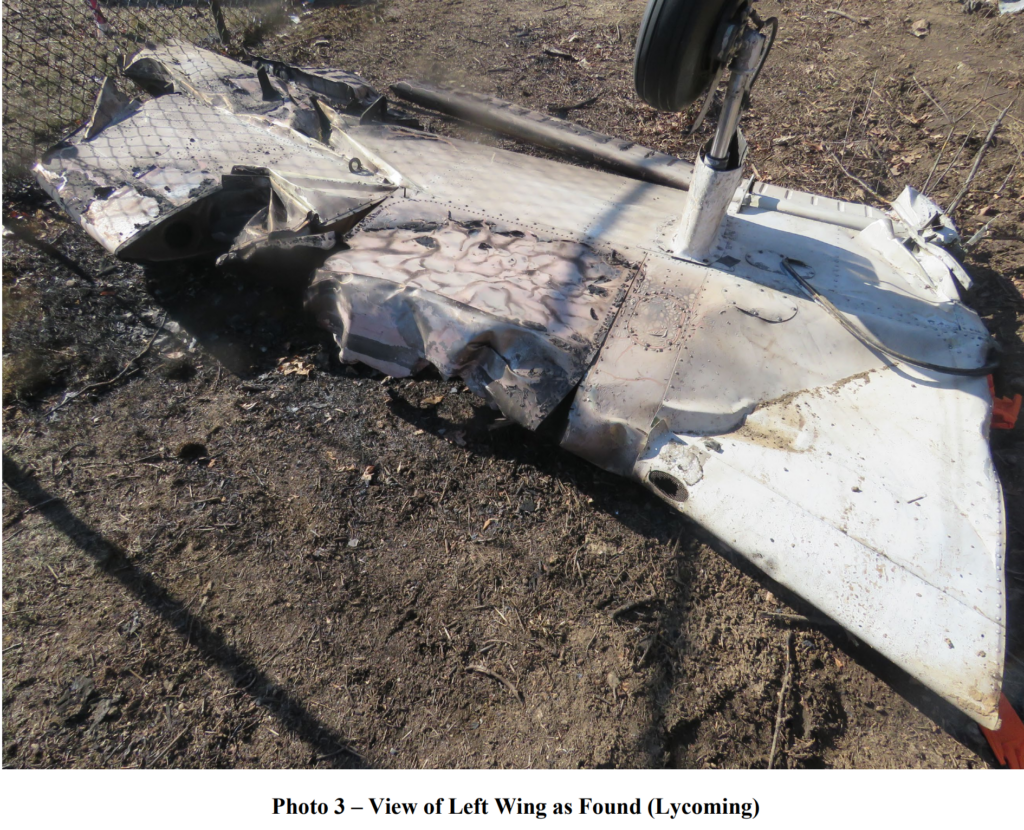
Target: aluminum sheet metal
(151,186)
(518,316)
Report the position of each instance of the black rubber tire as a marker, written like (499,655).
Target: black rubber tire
(676,50)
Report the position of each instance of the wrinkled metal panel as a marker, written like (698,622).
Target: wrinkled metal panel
(178,66)
(149,186)
(517,316)
(268,87)
(337,85)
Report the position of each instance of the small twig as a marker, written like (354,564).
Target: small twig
(977,159)
(942,149)
(846,137)
(783,694)
(490,645)
(12,647)
(867,101)
(952,129)
(859,180)
(519,616)
(318,758)
(629,606)
(508,684)
(980,235)
(862,21)
(25,234)
(169,746)
(928,95)
(41,504)
(559,53)
(1009,175)
(68,397)
(568,107)
(23,513)
(799,619)
(650,645)
(945,172)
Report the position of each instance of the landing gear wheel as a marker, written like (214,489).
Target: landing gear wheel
(678,50)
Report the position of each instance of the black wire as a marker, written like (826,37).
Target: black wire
(872,343)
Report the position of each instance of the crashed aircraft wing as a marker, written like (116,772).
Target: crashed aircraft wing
(757,391)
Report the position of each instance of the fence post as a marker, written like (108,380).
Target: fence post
(218,18)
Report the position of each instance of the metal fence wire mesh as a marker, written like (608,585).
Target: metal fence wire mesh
(57,52)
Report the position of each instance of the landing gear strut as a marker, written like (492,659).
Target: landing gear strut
(684,49)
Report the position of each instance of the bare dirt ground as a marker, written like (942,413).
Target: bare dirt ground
(231,551)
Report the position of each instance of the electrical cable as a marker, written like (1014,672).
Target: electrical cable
(869,341)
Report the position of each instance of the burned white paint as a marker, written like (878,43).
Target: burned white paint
(517,316)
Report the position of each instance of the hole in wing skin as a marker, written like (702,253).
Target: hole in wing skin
(671,486)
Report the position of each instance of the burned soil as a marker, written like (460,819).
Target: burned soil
(222,548)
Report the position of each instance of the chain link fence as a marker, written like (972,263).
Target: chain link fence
(57,52)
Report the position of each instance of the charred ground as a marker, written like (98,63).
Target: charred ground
(229,550)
